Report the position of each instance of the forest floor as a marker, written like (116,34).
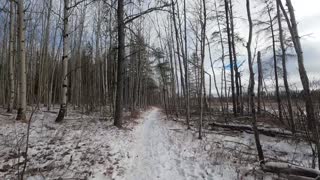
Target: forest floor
(150,147)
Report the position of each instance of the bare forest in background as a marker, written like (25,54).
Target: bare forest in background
(201,62)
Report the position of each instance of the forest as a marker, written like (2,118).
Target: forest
(159,89)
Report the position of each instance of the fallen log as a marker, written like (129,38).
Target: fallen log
(8,115)
(293,177)
(273,132)
(291,170)
(53,112)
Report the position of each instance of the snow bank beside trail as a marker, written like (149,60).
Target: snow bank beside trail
(77,148)
(228,154)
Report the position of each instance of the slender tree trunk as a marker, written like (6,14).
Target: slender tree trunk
(22,56)
(175,65)
(284,69)
(3,56)
(186,65)
(214,75)
(51,78)
(260,76)
(173,91)
(108,59)
(79,57)
(251,87)
(230,57)
(236,70)
(303,74)
(184,58)
(311,120)
(65,60)
(46,46)
(178,52)
(203,44)
(223,73)
(11,57)
(121,52)
(275,65)
(178,49)
(98,54)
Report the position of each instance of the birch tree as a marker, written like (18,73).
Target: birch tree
(65,59)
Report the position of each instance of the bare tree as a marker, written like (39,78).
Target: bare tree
(275,67)
(121,54)
(251,87)
(178,44)
(237,77)
(203,46)
(260,80)
(22,57)
(11,57)
(293,28)
(223,71)
(186,69)
(226,3)
(284,68)
(65,58)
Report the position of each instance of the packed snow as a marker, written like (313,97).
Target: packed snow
(152,147)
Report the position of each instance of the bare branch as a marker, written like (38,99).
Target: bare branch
(135,16)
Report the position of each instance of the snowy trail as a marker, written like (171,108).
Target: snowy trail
(154,157)
(149,148)
(165,150)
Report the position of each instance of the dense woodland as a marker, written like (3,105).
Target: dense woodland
(211,63)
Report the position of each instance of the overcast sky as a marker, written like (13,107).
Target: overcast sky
(308,17)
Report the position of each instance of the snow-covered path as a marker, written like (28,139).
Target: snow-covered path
(165,150)
(154,155)
(149,148)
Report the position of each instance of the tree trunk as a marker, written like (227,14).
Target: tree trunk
(178,48)
(275,65)
(45,53)
(214,75)
(202,80)
(223,72)
(284,69)
(186,66)
(121,52)
(176,30)
(11,57)
(65,59)
(173,89)
(312,123)
(230,57)
(236,70)
(251,87)
(22,56)
(260,76)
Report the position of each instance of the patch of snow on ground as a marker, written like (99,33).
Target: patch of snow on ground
(150,148)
